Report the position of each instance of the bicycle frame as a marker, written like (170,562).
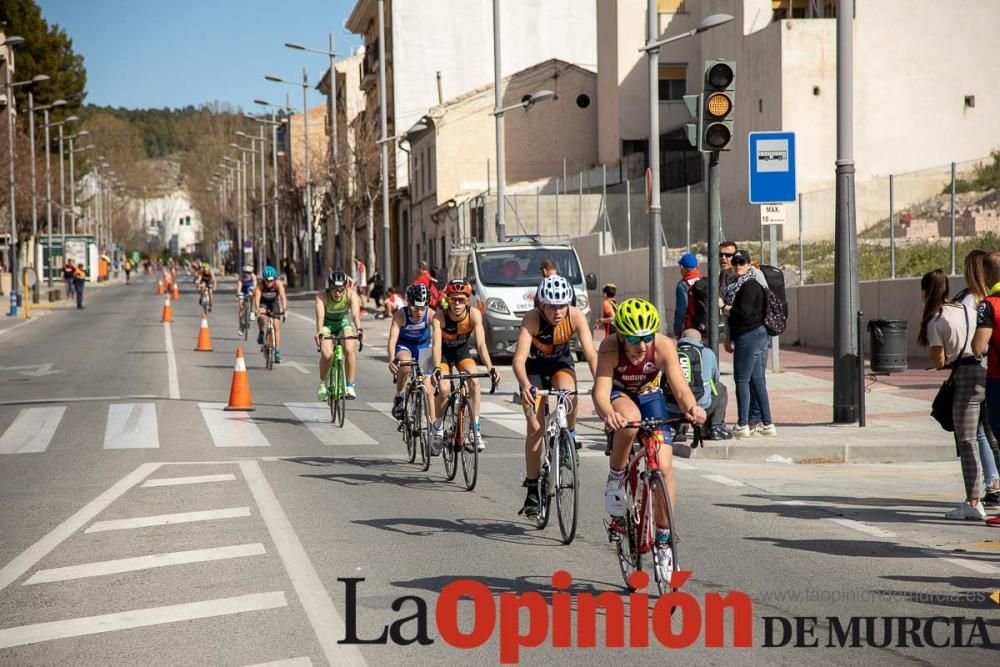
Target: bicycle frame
(554,423)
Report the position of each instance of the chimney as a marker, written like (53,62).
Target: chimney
(440,93)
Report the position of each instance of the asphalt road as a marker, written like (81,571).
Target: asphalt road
(142,525)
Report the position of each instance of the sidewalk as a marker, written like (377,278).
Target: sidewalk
(899,427)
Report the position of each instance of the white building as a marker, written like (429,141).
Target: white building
(926,89)
(170,221)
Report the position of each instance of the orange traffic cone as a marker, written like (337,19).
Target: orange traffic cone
(168,313)
(177,292)
(239,390)
(159,287)
(204,337)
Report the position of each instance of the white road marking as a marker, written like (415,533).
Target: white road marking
(168,519)
(119,565)
(79,399)
(139,618)
(974,565)
(310,320)
(290,662)
(200,479)
(39,549)
(861,527)
(297,366)
(384,408)
(17,326)
(231,429)
(174,385)
(719,479)
(682,465)
(32,430)
(131,426)
(319,608)
(316,417)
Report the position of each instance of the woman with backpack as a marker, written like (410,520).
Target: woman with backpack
(946,330)
(746,306)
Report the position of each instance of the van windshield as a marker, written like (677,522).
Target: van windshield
(521,266)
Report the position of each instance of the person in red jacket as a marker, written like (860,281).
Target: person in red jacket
(426,279)
(689,276)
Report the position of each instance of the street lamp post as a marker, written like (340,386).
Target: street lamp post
(72,181)
(274,174)
(262,249)
(310,250)
(48,180)
(384,159)
(501,172)
(652,50)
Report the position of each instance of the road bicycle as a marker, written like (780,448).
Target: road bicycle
(268,348)
(336,378)
(558,481)
(205,300)
(634,533)
(243,314)
(416,414)
(459,426)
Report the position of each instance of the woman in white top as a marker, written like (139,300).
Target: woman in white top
(946,329)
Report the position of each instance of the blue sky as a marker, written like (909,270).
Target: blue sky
(155,53)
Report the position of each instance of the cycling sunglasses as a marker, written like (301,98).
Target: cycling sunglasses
(635,340)
(458,299)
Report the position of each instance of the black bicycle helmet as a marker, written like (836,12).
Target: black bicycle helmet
(417,295)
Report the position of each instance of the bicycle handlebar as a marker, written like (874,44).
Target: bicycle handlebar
(358,337)
(462,375)
(549,392)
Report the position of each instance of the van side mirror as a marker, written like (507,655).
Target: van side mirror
(591,281)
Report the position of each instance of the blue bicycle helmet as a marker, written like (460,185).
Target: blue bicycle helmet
(270,273)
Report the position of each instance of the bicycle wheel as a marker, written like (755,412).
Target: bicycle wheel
(246,321)
(409,435)
(421,424)
(661,500)
(452,433)
(268,352)
(544,501)
(567,487)
(470,453)
(341,392)
(627,543)
(331,392)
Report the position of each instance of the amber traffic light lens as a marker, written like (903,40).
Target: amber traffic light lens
(719,105)
(720,75)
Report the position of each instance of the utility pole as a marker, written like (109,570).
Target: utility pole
(383,123)
(655,252)
(846,292)
(498,104)
(714,234)
(334,181)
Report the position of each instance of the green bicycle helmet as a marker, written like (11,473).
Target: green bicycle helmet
(270,273)
(636,317)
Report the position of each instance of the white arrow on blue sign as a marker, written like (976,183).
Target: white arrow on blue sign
(772,167)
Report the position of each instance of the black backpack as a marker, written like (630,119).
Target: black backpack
(776,305)
(697,312)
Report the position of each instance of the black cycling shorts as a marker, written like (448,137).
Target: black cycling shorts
(541,371)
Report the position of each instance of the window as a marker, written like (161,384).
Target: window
(671,6)
(673,82)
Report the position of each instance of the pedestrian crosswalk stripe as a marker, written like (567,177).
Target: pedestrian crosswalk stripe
(32,430)
(316,417)
(231,429)
(137,563)
(168,519)
(384,408)
(131,426)
(139,618)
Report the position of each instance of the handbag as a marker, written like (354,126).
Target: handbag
(943,405)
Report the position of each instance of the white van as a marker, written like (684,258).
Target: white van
(504,279)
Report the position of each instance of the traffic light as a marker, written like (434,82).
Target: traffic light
(695,129)
(718,105)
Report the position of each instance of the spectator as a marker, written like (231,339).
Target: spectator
(608,305)
(946,331)
(79,279)
(361,280)
(393,302)
(69,270)
(548,268)
(746,302)
(702,371)
(726,251)
(689,276)
(426,278)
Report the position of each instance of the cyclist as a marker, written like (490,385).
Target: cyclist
(410,338)
(206,283)
(337,314)
(543,358)
(269,301)
(245,286)
(627,388)
(452,327)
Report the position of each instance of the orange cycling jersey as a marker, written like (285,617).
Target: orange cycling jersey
(552,341)
(456,334)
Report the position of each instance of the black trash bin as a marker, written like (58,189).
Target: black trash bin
(888,346)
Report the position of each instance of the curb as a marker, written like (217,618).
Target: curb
(830,453)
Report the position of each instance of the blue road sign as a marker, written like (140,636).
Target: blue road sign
(772,167)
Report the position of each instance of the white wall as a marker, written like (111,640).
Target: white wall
(170,209)
(455,38)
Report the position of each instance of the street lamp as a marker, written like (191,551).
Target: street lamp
(332,115)
(262,250)
(498,113)
(48,179)
(240,166)
(652,51)
(9,42)
(72,183)
(274,172)
(311,272)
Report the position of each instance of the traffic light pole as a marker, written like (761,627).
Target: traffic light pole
(714,232)
(655,252)
(846,293)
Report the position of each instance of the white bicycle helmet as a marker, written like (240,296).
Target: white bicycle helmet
(555,291)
